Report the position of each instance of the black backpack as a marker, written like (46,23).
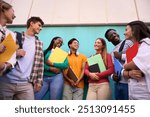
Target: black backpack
(19,39)
(122,46)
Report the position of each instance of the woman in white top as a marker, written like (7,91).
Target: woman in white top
(138,70)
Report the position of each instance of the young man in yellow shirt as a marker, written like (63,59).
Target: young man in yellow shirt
(73,90)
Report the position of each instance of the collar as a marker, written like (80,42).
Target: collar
(69,52)
(2,27)
(146,40)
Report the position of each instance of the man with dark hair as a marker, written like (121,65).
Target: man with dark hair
(34,20)
(27,75)
(73,89)
(121,86)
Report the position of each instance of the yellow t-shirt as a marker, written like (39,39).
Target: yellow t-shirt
(76,63)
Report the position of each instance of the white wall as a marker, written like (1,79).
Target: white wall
(78,12)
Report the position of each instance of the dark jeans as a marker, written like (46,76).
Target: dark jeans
(121,91)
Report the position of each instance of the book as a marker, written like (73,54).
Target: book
(131,52)
(11,48)
(58,55)
(97,59)
(72,75)
(118,67)
(94,68)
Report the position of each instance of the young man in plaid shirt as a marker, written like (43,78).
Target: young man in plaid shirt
(27,76)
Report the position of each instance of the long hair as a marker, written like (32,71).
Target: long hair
(50,45)
(104,51)
(4,6)
(140,30)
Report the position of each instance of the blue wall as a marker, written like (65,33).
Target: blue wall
(85,34)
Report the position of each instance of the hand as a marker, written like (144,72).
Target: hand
(49,62)
(115,77)
(136,74)
(2,48)
(72,83)
(77,82)
(55,70)
(20,53)
(93,76)
(37,87)
(117,55)
(2,65)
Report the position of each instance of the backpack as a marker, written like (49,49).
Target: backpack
(122,46)
(19,39)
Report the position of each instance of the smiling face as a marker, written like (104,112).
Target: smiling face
(36,27)
(128,32)
(74,45)
(98,45)
(58,42)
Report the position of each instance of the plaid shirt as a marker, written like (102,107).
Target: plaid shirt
(38,65)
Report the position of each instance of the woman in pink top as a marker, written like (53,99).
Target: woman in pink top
(99,88)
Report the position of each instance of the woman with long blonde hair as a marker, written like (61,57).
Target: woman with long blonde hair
(99,88)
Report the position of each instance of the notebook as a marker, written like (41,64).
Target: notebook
(72,75)
(131,52)
(11,48)
(118,67)
(94,68)
(58,55)
(97,59)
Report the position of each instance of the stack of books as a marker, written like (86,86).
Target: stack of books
(96,63)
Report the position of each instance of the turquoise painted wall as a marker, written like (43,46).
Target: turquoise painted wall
(85,34)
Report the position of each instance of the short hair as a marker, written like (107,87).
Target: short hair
(4,6)
(106,34)
(71,40)
(34,19)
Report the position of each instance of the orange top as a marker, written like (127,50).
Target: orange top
(76,63)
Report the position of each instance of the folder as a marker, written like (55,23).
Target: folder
(11,47)
(97,59)
(118,67)
(131,52)
(72,75)
(94,68)
(58,55)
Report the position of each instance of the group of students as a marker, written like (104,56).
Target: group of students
(29,74)
(134,82)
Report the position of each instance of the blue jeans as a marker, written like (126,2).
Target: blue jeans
(52,84)
(121,91)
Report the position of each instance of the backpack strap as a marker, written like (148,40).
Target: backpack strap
(19,39)
(122,46)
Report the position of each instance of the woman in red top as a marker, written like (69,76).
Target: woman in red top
(99,88)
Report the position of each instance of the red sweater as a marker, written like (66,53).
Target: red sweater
(103,76)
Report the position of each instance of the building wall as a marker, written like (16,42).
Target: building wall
(81,12)
(85,34)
